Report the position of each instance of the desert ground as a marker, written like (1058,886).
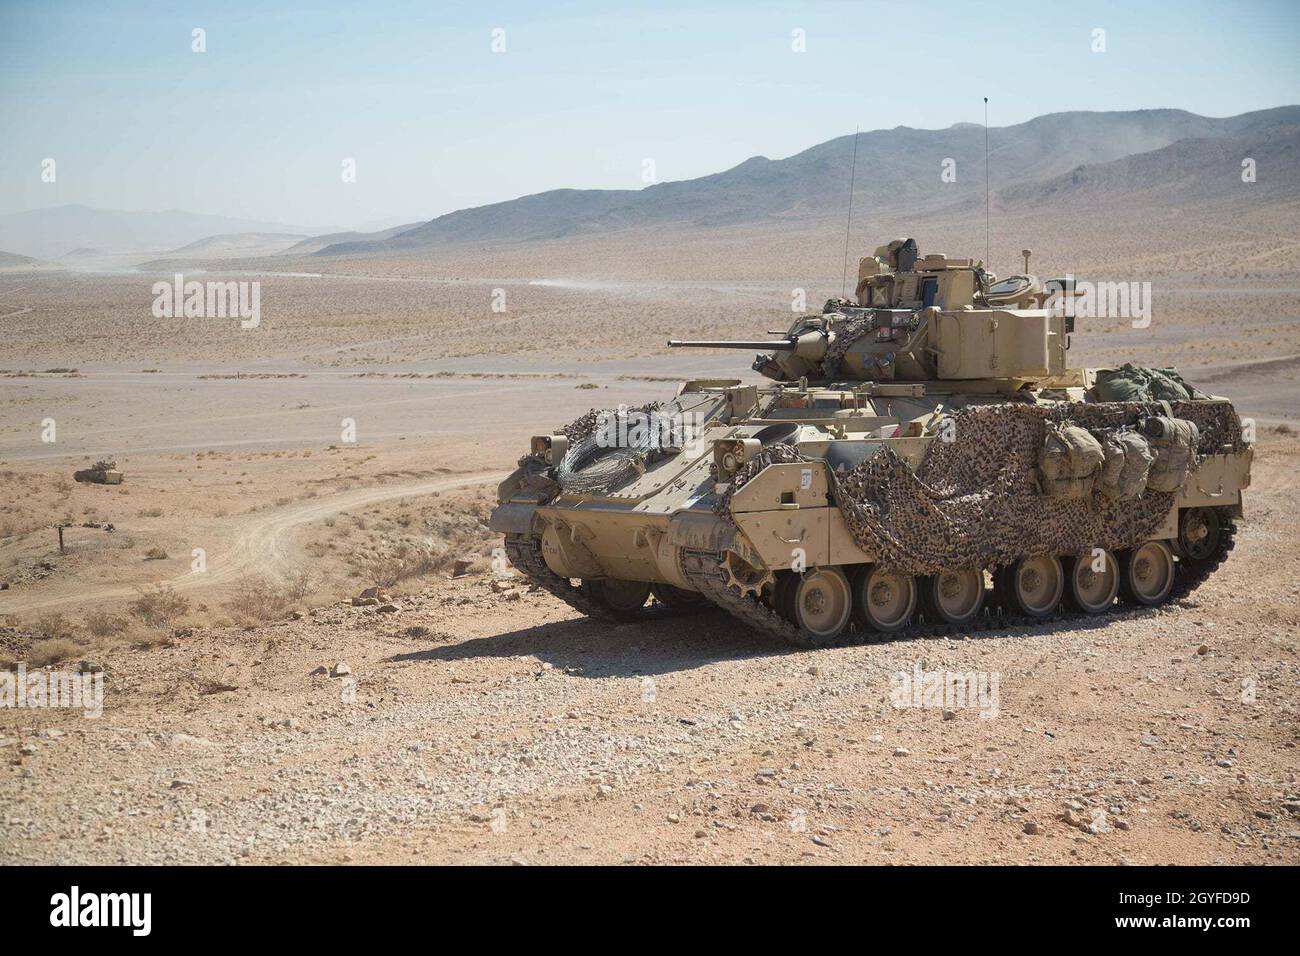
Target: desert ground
(476,720)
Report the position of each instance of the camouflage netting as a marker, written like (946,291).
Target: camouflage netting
(845,336)
(593,466)
(977,501)
(584,426)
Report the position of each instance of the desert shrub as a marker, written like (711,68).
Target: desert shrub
(52,627)
(103,624)
(151,513)
(158,606)
(155,554)
(256,599)
(52,651)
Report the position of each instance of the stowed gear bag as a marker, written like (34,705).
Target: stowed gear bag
(977,501)
(1174,441)
(1070,460)
(1137,383)
(1127,466)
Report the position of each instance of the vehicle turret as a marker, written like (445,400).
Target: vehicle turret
(918,319)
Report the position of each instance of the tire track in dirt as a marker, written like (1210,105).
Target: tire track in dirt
(260,545)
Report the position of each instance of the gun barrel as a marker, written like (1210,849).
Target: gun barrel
(769,345)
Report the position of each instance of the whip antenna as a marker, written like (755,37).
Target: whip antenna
(853,172)
(986,182)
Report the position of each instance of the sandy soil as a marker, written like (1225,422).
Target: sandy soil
(482,722)
(494,726)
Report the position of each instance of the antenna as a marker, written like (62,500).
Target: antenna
(986,182)
(853,173)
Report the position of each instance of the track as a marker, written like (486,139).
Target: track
(703,569)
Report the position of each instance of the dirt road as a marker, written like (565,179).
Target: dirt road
(256,544)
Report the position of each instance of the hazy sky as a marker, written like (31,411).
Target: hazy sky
(258,126)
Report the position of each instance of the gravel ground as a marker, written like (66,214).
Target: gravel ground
(483,723)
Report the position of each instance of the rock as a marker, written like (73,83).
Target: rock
(340,670)
(604,790)
(1150,740)
(1225,763)
(814,670)
(365,602)
(1203,650)
(674,818)
(319,671)
(821,840)
(949,715)
(389,608)
(378,593)
(28,750)
(902,752)
(89,667)
(459,568)
(1031,828)
(216,687)
(178,784)
(1098,823)
(296,615)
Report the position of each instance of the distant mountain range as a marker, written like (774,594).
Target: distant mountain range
(12,262)
(54,233)
(897,169)
(1132,158)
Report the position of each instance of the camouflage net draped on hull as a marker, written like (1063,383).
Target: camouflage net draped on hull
(975,501)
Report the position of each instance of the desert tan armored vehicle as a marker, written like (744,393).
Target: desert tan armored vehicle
(924,459)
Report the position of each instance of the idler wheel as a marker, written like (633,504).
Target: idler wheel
(1199,532)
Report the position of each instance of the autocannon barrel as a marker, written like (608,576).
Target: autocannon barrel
(770,345)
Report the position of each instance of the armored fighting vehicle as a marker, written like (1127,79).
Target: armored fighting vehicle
(924,459)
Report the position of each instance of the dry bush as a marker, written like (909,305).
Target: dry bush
(257,600)
(102,624)
(158,606)
(400,562)
(299,584)
(155,554)
(52,651)
(53,627)
(151,513)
